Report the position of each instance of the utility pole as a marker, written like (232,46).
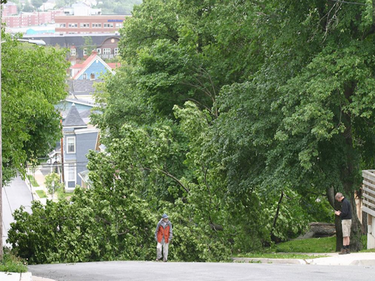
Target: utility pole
(1,150)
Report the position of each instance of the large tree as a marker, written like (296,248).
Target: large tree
(186,51)
(33,82)
(308,114)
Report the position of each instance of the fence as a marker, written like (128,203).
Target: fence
(368,204)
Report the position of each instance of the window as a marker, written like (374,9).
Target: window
(106,51)
(99,51)
(84,51)
(84,76)
(92,76)
(96,25)
(71,145)
(118,25)
(73,52)
(73,25)
(115,51)
(71,172)
(85,25)
(62,25)
(108,25)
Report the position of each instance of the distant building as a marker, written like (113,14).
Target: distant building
(78,140)
(49,5)
(91,69)
(106,45)
(88,24)
(9,9)
(31,19)
(81,9)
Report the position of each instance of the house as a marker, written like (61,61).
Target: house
(78,139)
(81,9)
(92,68)
(368,205)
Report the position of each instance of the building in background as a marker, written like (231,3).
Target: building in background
(92,68)
(9,9)
(106,45)
(89,24)
(30,19)
(49,5)
(78,139)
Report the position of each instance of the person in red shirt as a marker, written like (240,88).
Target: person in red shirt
(163,236)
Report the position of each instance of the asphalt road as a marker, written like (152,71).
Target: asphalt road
(15,195)
(159,271)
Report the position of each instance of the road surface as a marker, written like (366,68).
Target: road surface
(15,195)
(159,271)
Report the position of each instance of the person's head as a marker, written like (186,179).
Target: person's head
(165,217)
(339,196)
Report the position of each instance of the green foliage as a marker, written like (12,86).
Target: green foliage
(88,45)
(87,228)
(234,117)
(53,183)
(33,81)
(11,263)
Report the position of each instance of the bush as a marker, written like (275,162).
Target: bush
(11,263)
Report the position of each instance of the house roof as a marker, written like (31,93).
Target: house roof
(79,87)
(74,119)
(77,66)
(89,61)
(114,65)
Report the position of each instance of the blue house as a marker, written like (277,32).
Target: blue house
(78,139)
(91,69)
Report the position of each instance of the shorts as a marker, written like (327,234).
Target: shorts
(346,226)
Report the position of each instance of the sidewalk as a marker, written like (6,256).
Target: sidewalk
(40,179)
(11,276)
(359,259)
(27,276)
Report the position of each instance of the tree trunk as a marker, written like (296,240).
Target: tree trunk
(335,205)
(348,174)
(356,233)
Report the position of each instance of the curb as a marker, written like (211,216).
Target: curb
(270,261)
(26,276)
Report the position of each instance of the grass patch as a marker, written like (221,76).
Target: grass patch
(311,245)
(63,195)
(368,251)
(280,256)
(41,193)
(11,263)
(32,181)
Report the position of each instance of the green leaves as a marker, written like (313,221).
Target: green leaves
(33,81)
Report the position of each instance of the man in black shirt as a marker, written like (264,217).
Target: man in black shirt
(346,221)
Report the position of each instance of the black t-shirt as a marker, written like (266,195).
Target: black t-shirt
(346,210)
